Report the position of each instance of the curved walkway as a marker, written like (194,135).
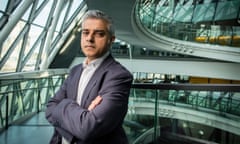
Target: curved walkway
(185,112)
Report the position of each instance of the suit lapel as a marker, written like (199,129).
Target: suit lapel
(97,76)
(76,82)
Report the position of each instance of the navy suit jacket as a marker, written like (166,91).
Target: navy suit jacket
(102,125)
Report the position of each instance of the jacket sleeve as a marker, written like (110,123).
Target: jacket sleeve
(59,97)
(107,116)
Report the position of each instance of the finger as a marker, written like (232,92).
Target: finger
(91,107)
(95,102)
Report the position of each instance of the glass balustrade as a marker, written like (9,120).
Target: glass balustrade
(160,112)
(24,95)
(183,113)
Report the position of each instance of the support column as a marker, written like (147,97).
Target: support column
(50,34)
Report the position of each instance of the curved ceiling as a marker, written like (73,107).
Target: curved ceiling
(129,30)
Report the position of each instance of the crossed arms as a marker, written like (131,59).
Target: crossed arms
(100,115)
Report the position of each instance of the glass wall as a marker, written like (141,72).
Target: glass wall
(203,21)
(183,113)
(23,95)
(157,113)
(32,31)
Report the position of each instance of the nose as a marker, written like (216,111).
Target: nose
(90,37)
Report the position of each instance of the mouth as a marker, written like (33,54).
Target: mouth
(89,46)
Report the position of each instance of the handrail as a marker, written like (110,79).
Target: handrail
(32,74)
(188,86)
(222,98)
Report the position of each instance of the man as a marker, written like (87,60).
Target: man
(90,106)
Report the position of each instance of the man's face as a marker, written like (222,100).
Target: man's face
(95,38)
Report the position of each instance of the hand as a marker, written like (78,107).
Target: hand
(95,102)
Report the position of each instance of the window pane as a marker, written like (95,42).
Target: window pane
(75,5)
(41,19)
(3,5)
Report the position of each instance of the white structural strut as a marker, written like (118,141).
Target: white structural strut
(14,18)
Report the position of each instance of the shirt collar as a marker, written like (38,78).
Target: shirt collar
(96,62)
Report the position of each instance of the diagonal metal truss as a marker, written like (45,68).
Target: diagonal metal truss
(33,31)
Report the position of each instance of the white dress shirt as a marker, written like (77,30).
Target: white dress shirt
(88,70)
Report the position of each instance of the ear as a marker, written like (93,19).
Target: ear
(112,39)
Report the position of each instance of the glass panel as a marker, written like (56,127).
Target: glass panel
(12,37)
(39,3)
(204,12)
(36,28)
(75,5)
(12,61)
(27,14)
(3,5)
(11,64)
(31,62)
(176,116)
(33,36)
(227,10)
(42,17)
(184,12)
(158,16)
(19,97)
(139,123)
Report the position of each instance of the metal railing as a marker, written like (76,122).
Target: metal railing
(25,94)
(149,103)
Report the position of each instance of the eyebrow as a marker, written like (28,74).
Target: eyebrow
(97,30)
